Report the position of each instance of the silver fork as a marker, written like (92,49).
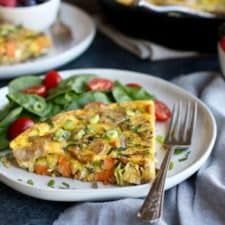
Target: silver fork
(179,135)
(61,33)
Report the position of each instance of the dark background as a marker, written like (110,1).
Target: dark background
(18,209)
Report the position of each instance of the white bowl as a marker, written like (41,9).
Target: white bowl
(38,17)
(221,53)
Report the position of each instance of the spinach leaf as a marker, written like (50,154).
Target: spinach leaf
(55,110)
(4,142)
(120,94)
(74,83)
(73,105)
(32,103)
(92,96)
(22,83)
(78,84)
(6,110)
(65,99)
(51,110)
(83,99)
(13,115)
(138,93)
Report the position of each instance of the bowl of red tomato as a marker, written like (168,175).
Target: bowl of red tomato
(34,14)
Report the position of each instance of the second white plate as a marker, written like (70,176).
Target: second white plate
(83,29)
(66,189)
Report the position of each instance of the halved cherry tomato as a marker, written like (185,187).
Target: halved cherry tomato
(19,126)
(100,84)
(162,112)
(133,85)
(36,90)
(52,79)
(8,3)
(222,43)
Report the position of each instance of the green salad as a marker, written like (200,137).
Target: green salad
(33,99)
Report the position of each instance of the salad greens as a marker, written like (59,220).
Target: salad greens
(22,83)
(70,94)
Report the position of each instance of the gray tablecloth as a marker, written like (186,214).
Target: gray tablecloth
(198,201)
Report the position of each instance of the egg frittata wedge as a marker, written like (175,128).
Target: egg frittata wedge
(19,44)
(111,143)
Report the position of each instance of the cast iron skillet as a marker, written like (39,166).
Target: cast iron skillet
(178,32)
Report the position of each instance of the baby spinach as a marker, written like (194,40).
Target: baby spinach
(6,110)
(73,105)
(22,83)
(32,103)
(138,93)
(120,94)
(90,96)
(74,83)
(4,142)
(4,124)
(78,83)
(13,115)
(65,98)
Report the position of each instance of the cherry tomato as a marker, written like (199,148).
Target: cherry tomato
(100,84)
(9,3)
(222,43)
(134,85)
(52,79)
(19,126)
(36,90)
(162,112)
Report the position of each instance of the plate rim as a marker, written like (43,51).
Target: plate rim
(76,50)
(171,180)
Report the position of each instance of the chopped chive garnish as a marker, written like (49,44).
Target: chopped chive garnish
(30,182)
(171,165)
(65,184)
(51,183)
(184,158)
(179,151)
(160,139)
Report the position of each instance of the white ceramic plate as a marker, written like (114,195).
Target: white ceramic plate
(83,29)
(80,191)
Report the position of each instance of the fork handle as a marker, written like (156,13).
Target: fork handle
(152,207)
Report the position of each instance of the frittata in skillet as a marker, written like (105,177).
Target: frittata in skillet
(214,6)
(111,143)
(19,44)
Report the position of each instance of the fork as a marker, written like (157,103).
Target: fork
(179,135)
(61,33)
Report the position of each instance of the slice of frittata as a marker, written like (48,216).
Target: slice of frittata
(19,44)
(111,143)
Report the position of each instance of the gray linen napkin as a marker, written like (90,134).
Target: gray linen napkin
(198,201)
